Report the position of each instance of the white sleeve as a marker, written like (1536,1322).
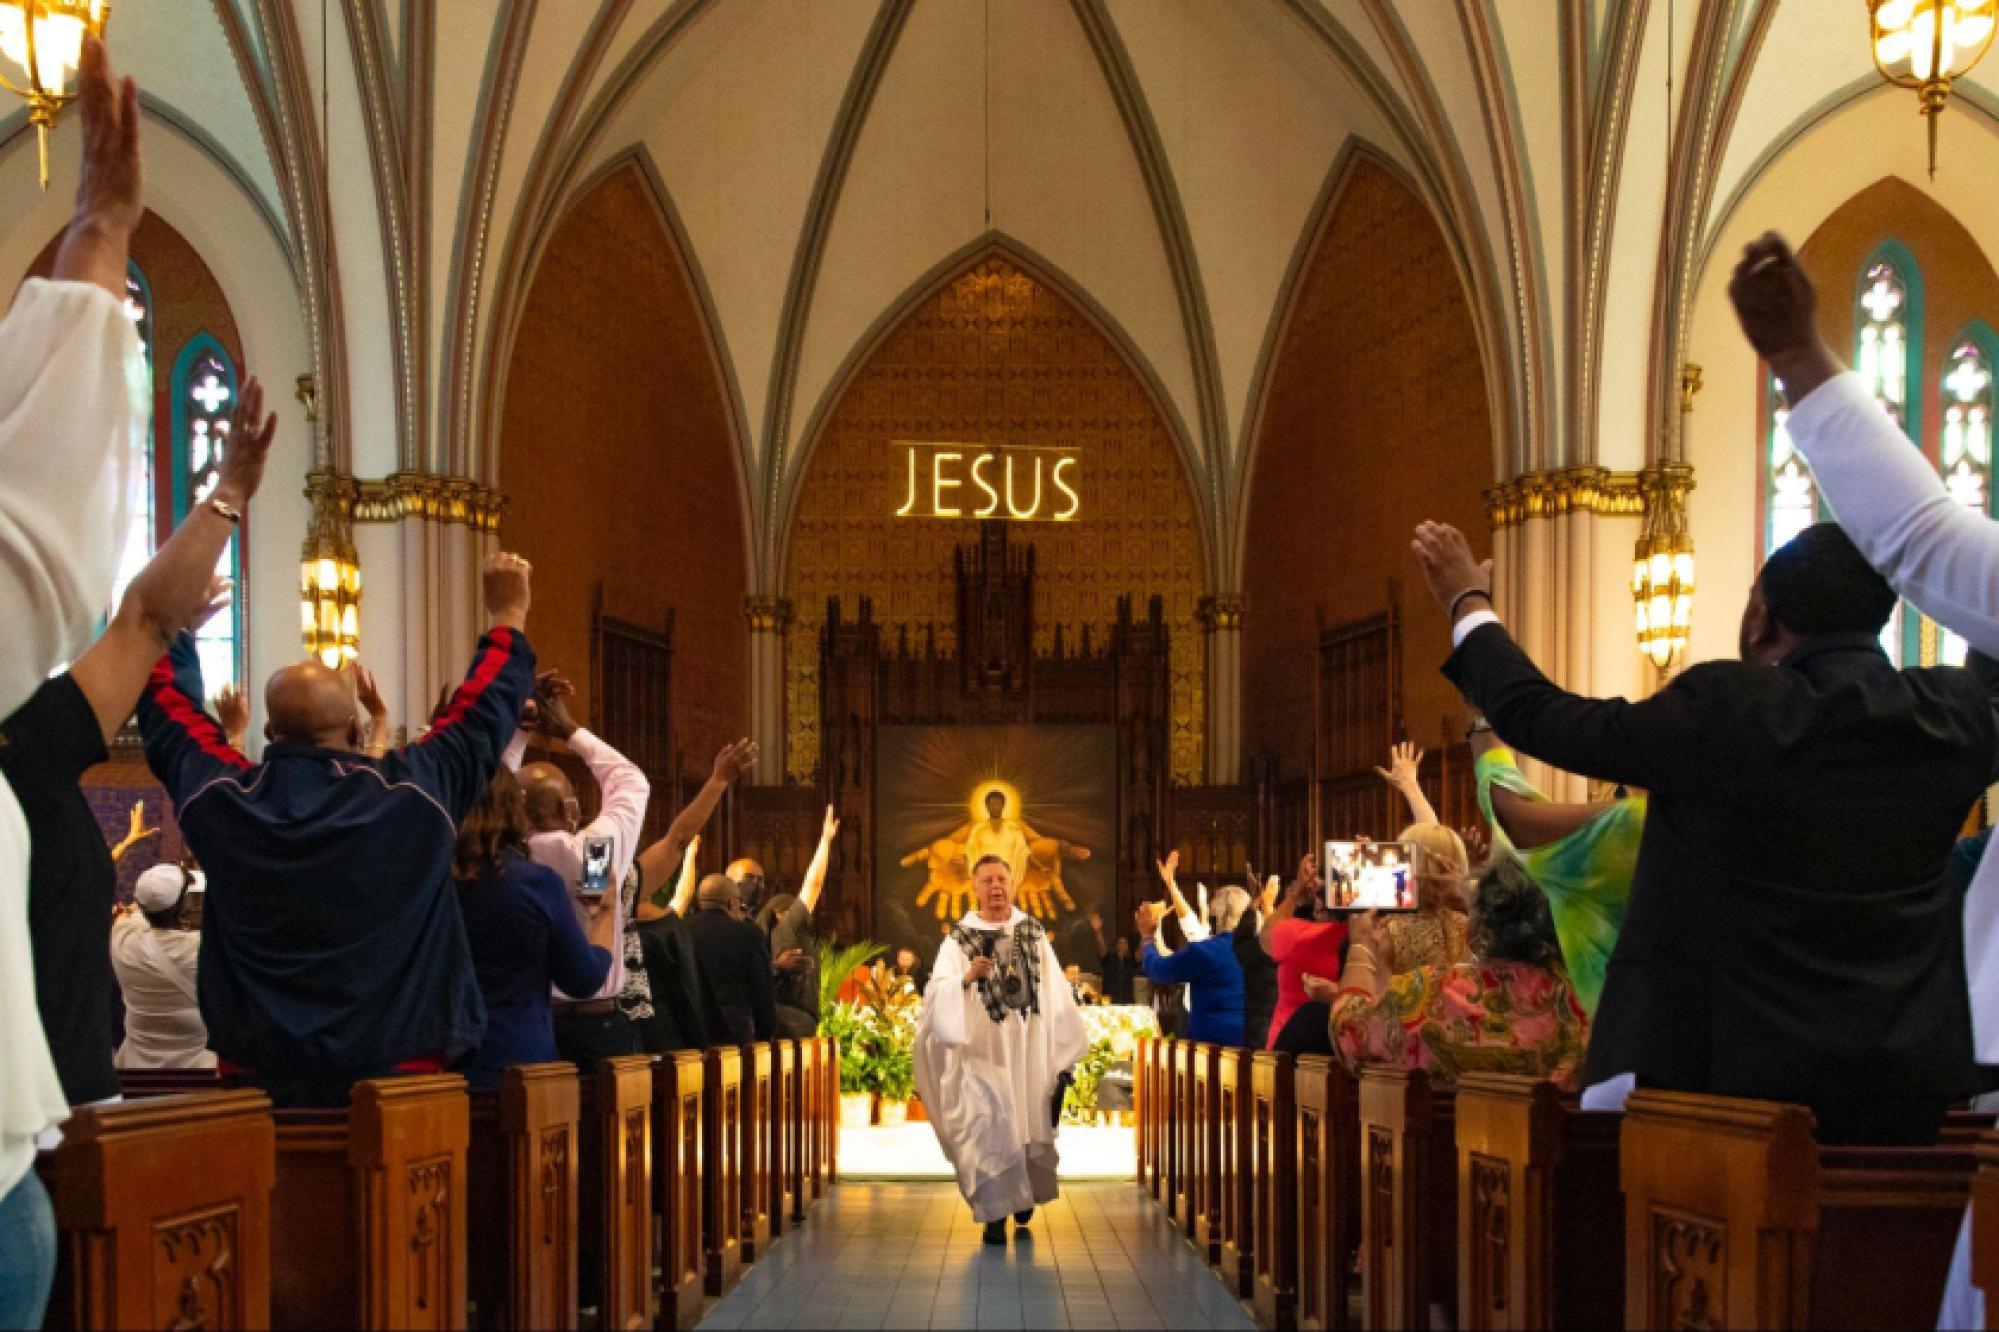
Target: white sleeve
(1931,549)
(1478,619)
(73,416)
(516,752)
(1068,1038)
(624,790)
(944,998)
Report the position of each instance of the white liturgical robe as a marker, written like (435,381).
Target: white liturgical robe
(989,1085)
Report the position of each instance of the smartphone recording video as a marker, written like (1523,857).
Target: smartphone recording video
(596,866)
(1369,876)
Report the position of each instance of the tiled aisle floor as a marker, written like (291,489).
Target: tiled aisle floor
(909,1255)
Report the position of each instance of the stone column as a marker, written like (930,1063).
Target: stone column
(1221,630)
(769,620)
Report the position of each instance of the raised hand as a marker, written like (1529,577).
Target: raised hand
(367,693)
(111,190)
(1405,762)
(1778,310)
(734,761)
(1149,914)
(831,827)
(1169,868)
(508,588)
(221,591)
(1449,566)
(232,709)
(250,434)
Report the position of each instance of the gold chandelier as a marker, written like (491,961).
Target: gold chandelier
(1924,44)
(1662,569)
(330,574)
(41,49)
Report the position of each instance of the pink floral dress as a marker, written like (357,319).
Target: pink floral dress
(1496,1017)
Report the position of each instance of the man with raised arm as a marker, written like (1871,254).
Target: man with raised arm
(786,921)
(332,949)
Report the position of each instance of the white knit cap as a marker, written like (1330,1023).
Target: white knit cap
(159,888)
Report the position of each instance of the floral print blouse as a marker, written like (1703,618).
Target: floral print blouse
(1490,1017)
(1432,937)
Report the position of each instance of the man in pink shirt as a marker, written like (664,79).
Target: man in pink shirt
(593,1029)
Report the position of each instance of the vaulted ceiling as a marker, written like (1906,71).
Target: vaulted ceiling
(822,160)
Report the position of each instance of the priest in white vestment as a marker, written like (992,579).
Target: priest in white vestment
(999,1036)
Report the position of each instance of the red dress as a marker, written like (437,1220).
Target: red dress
(1301,948)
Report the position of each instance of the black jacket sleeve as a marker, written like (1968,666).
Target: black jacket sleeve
(762,982)
(1652,744)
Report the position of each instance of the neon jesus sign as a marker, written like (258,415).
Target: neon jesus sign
(1020,483)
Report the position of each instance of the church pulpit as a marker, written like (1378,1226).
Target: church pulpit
(1409,1198)
(1182,1119)
(1735,1217)
(1328,1191)
(615,1174)
(721,1170)
(783,1185)
(753,1147)
(163,1213)
(521,1163)
(677,1186)
(1238,1171)
(1276,1170)
(1206,1229)
(368,1213)
(1540,1218)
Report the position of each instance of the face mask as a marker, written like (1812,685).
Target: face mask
(752,888)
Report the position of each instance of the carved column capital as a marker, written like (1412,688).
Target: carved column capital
(1222,613)
(767,614)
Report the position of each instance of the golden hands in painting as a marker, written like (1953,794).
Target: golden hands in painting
(949,889)
(1042,892)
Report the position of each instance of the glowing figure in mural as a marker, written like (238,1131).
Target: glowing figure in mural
(996,829)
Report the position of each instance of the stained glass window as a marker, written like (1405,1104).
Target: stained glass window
(139,534)
(1885,353)
(1791,493)
(1965,452)
(204,394)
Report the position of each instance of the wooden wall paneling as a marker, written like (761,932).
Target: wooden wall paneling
(163,1213)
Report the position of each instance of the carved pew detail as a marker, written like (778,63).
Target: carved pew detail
(721,1196)
(810,1070)
(829,1115)
(368,1216)
(780,1186)
(521,1163)
(1735,1217)
(1540,1219)
(163,1213)
(677,1179)
(616,1192)
(753,1151)
(1408,1198)
(1238,1172)
(1181,1206)
(1205,1098)
(1328,1191)
(1276,1170)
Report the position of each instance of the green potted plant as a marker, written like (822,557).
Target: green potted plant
(846,1026)
(894,1073)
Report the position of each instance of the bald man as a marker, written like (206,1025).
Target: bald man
(738,997)
(332,949)
(595,1027)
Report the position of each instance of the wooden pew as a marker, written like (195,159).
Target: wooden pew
(615,1192)
(782,1186)
(1206,1089)
(1181,1207)
(1238,1172)
(139,1082)
(753,1152)
(368,1213)
(1276,1170)
(721,1196)
(1328,1191)
(811,1054)
(1409,1198)
(677,1187)
(1146,1109)
(521,1163)
(163,1213)
(1540,1218)
(796,1150)
(1735,1217)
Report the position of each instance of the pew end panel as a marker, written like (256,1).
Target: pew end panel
(1328,1192)
(1409,1197)
(678,1080)
(753,1146)
(782,1186)
(163,1213)
(521,1165)
(1275,1247)
(721,1196)
(615,1192)
(1206,1229)
(1238,1116)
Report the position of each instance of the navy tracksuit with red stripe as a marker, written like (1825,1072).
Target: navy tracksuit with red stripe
(331,944)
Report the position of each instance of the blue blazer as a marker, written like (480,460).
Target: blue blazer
(1213,979)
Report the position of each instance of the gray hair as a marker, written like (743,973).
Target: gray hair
(1226,908)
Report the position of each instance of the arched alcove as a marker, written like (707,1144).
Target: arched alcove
(996,352)
(616,453)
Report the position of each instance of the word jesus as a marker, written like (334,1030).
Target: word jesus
(965,481)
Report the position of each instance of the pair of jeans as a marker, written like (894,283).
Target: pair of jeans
(27,1252)
(587,1039)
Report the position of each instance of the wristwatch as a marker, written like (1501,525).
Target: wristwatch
(227,510)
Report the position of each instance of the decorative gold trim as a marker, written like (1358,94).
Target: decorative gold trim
(1586,489)
(438,499)
(1222,613)
(767,614)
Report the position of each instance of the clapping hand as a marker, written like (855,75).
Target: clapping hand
(1169,868)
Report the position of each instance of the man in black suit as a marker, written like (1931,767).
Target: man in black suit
(1792,934)
(738,990)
